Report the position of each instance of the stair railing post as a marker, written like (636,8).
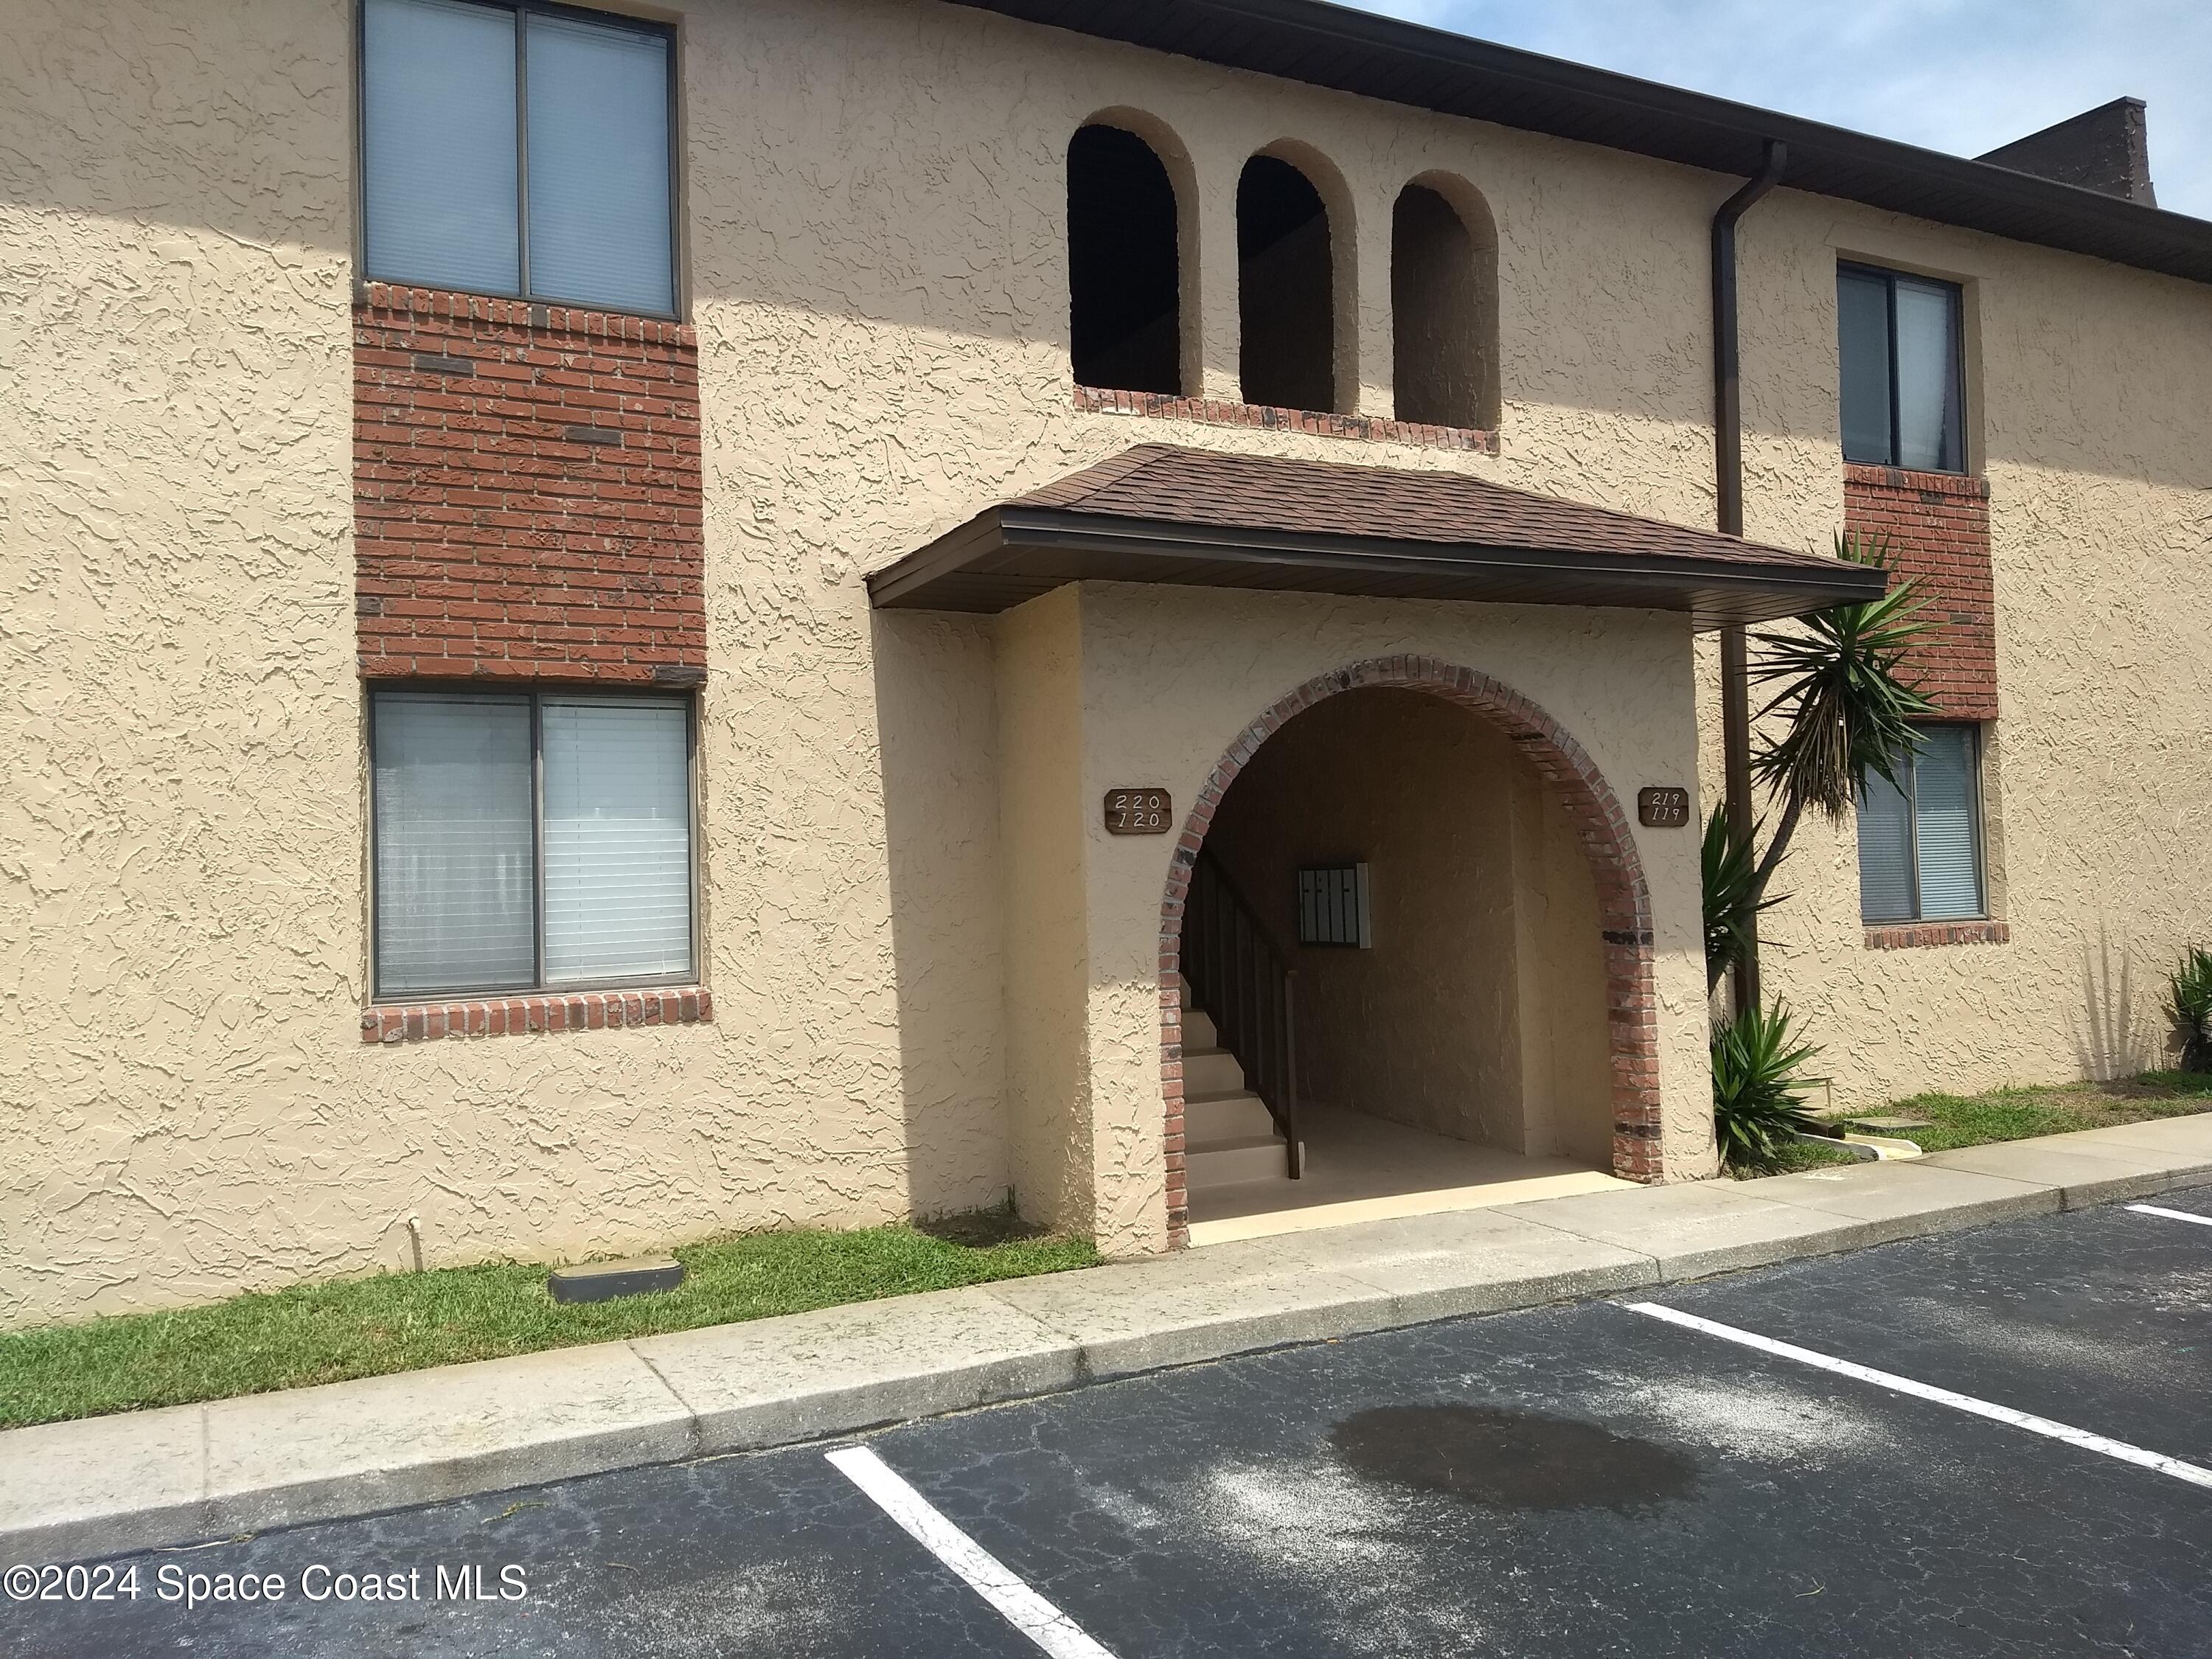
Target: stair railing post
(1297,1153)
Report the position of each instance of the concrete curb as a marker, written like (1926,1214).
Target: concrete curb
(184,1474)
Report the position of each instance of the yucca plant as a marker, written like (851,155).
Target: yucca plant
(1758,1084)
(2191,1006)
(1732,901)
(1845,712)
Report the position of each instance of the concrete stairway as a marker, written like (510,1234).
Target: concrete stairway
(1228,1136)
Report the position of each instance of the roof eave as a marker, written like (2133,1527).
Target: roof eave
(1002,556)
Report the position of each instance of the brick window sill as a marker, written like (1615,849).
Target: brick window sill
(1932,484)
(1920,935)
(592,1010)
(1159,405)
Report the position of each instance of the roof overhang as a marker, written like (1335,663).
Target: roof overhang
(1355,52)
(1012,553)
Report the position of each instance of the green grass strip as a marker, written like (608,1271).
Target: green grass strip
(1956,1120)
(327,1333)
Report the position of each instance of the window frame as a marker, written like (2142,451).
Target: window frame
(1977,746)
(535,696)
(522,9)
(1956,293)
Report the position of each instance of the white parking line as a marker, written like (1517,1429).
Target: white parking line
(2043,1426)
(2171,1215)
(984,1573)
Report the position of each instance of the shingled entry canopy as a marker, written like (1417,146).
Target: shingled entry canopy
(1200,519)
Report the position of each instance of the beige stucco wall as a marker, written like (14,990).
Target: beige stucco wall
(1487,966)
(873,200)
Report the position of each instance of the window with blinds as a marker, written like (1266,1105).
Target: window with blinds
(1903,378)
(530,842)
(1920,839)
(512,150)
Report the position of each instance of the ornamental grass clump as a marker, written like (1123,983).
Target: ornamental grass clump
(2190,1004)
(1759,1083)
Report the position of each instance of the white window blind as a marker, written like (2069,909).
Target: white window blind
(438,144)
(618,840)
(598,165)
(1885,851)
(1920,847)
(1946,826)
(1927,377)
(454,845)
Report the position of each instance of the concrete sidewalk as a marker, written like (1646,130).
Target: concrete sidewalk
(103,1486)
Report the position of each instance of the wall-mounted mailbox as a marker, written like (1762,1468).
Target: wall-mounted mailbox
(1332,907)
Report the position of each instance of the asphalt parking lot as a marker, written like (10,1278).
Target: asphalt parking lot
(2030,1473)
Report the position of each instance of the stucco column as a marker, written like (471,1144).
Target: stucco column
(1371,239)
(1039,657)
(1217,280)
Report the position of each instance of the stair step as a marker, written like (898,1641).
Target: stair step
(1231,1115)
(1198,1032)
(1211,1071)
(1209,1163)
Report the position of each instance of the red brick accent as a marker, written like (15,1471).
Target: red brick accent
(526,491)
(1938,528)
(1103,400)
(1624,899)
(419,1022)
(1914,935)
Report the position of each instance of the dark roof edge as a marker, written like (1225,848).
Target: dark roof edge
(1337,47)
(1072,526)
(1816,581)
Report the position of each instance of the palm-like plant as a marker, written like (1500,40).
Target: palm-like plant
(1845,713)
(1733,900)
(1759,1065)
(2191,1005)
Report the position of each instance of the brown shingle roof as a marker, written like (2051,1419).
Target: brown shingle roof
(1261,492)
(1200,518)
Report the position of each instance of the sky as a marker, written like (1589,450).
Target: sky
(1960,75)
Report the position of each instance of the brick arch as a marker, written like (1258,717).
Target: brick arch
(1624,897)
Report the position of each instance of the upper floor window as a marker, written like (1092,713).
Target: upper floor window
(1903,398)
(530,842)
(511,150)
(1124,263)
(1920,839)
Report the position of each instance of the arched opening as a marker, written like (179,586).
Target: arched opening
(1286,300)
(1444,306)
(1124,263)
(1483,1017)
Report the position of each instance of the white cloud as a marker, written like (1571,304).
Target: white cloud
(1961,76)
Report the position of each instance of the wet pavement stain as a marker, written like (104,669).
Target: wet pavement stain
(1511,1460)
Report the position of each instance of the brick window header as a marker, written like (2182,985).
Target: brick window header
(526,491)
(1937,526)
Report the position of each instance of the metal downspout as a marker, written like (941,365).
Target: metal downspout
(1727,479)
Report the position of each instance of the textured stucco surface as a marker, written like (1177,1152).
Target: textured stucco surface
(874,197)
(1441,1023)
